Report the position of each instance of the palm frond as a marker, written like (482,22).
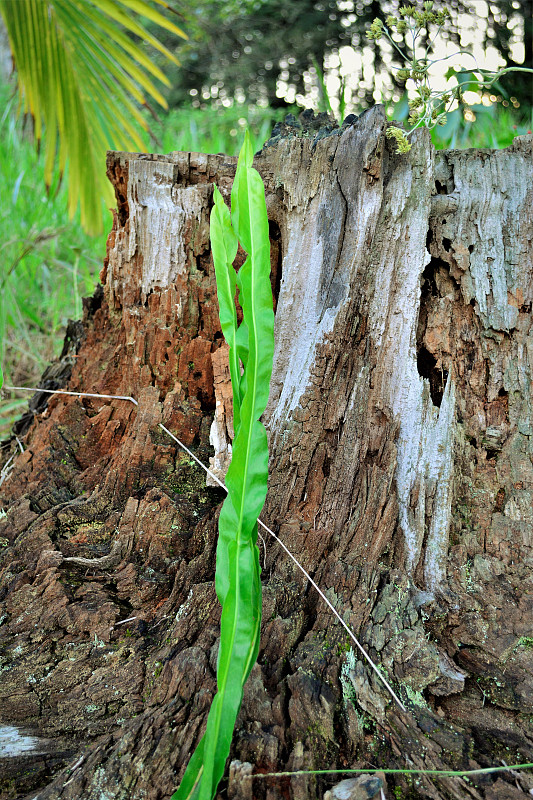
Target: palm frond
(83,80)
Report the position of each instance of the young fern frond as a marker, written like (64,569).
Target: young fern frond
(237,579)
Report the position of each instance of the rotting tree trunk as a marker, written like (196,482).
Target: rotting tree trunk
(401,477)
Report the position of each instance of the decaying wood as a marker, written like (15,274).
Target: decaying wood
(401,470)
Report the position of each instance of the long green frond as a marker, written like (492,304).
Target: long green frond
(120,11)
(237,578)
(83,80)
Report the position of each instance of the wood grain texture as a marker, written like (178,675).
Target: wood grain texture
(400,475)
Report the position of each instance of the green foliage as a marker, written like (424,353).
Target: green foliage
(83,79)
(428,108)
(484,126)
(245,49)
(237,578)
(206,131)
(242,49)
(494,126)
(47,263)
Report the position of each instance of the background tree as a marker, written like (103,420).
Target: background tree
(245,49)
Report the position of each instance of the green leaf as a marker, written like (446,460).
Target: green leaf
(325,102)
(401,108)
(479,108)
(190,782)
(238,571)
(250,221)
(115,9)
(467,81)
(224,246)
(496,85)
(83,80)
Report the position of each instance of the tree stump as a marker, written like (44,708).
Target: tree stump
(401,477)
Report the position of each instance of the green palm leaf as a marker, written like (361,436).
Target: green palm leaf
(83,80)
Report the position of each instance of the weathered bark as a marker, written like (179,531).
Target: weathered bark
(401,477)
